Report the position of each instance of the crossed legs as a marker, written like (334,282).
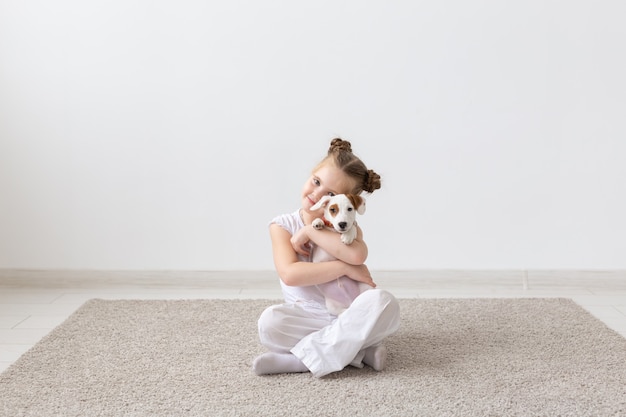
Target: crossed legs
(302,339)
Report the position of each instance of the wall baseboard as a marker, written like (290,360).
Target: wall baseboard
(32,278)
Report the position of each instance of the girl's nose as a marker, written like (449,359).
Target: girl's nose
(317,195)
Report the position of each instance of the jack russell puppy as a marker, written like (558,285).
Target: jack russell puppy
(339,215)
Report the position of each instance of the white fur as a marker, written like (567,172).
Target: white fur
(338,293)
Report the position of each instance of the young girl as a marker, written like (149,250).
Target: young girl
(301,334)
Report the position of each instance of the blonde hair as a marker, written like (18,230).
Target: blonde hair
(341,156)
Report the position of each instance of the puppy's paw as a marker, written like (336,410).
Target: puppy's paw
(347,238)
(318,224)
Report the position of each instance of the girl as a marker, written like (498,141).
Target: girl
(301,334)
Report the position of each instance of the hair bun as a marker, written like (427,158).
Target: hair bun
(372,181)
(339,145)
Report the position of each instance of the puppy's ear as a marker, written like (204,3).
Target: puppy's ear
(361,208)
(358,202)
(321,203)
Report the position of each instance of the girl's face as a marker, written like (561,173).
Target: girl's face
(326,180)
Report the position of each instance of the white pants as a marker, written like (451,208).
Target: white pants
(327,343)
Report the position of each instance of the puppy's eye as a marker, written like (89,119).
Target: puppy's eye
(333,210)
(350,209)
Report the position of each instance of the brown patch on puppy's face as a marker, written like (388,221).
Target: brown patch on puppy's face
(355,199)
(333,210)
(358,202)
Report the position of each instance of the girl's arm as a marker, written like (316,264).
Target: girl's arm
(354,253)
(296,273)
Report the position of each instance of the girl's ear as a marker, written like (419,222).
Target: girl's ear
(321,203)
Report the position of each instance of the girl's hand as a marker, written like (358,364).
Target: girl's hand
(301,242)
(362,274)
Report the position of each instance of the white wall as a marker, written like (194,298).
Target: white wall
(165,134)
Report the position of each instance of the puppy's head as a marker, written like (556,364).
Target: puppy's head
(340,210)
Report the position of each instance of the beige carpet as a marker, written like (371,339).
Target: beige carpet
(460,357)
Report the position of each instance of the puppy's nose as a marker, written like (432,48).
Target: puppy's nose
(342,225)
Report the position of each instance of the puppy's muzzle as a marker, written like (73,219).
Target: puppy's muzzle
(342,225)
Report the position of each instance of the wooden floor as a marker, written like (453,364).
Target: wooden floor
(34,302)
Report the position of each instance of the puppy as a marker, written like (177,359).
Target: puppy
(339,215)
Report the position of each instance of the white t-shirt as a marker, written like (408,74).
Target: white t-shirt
(310,294)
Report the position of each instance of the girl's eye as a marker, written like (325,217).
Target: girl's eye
(331,194)
(316,181)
